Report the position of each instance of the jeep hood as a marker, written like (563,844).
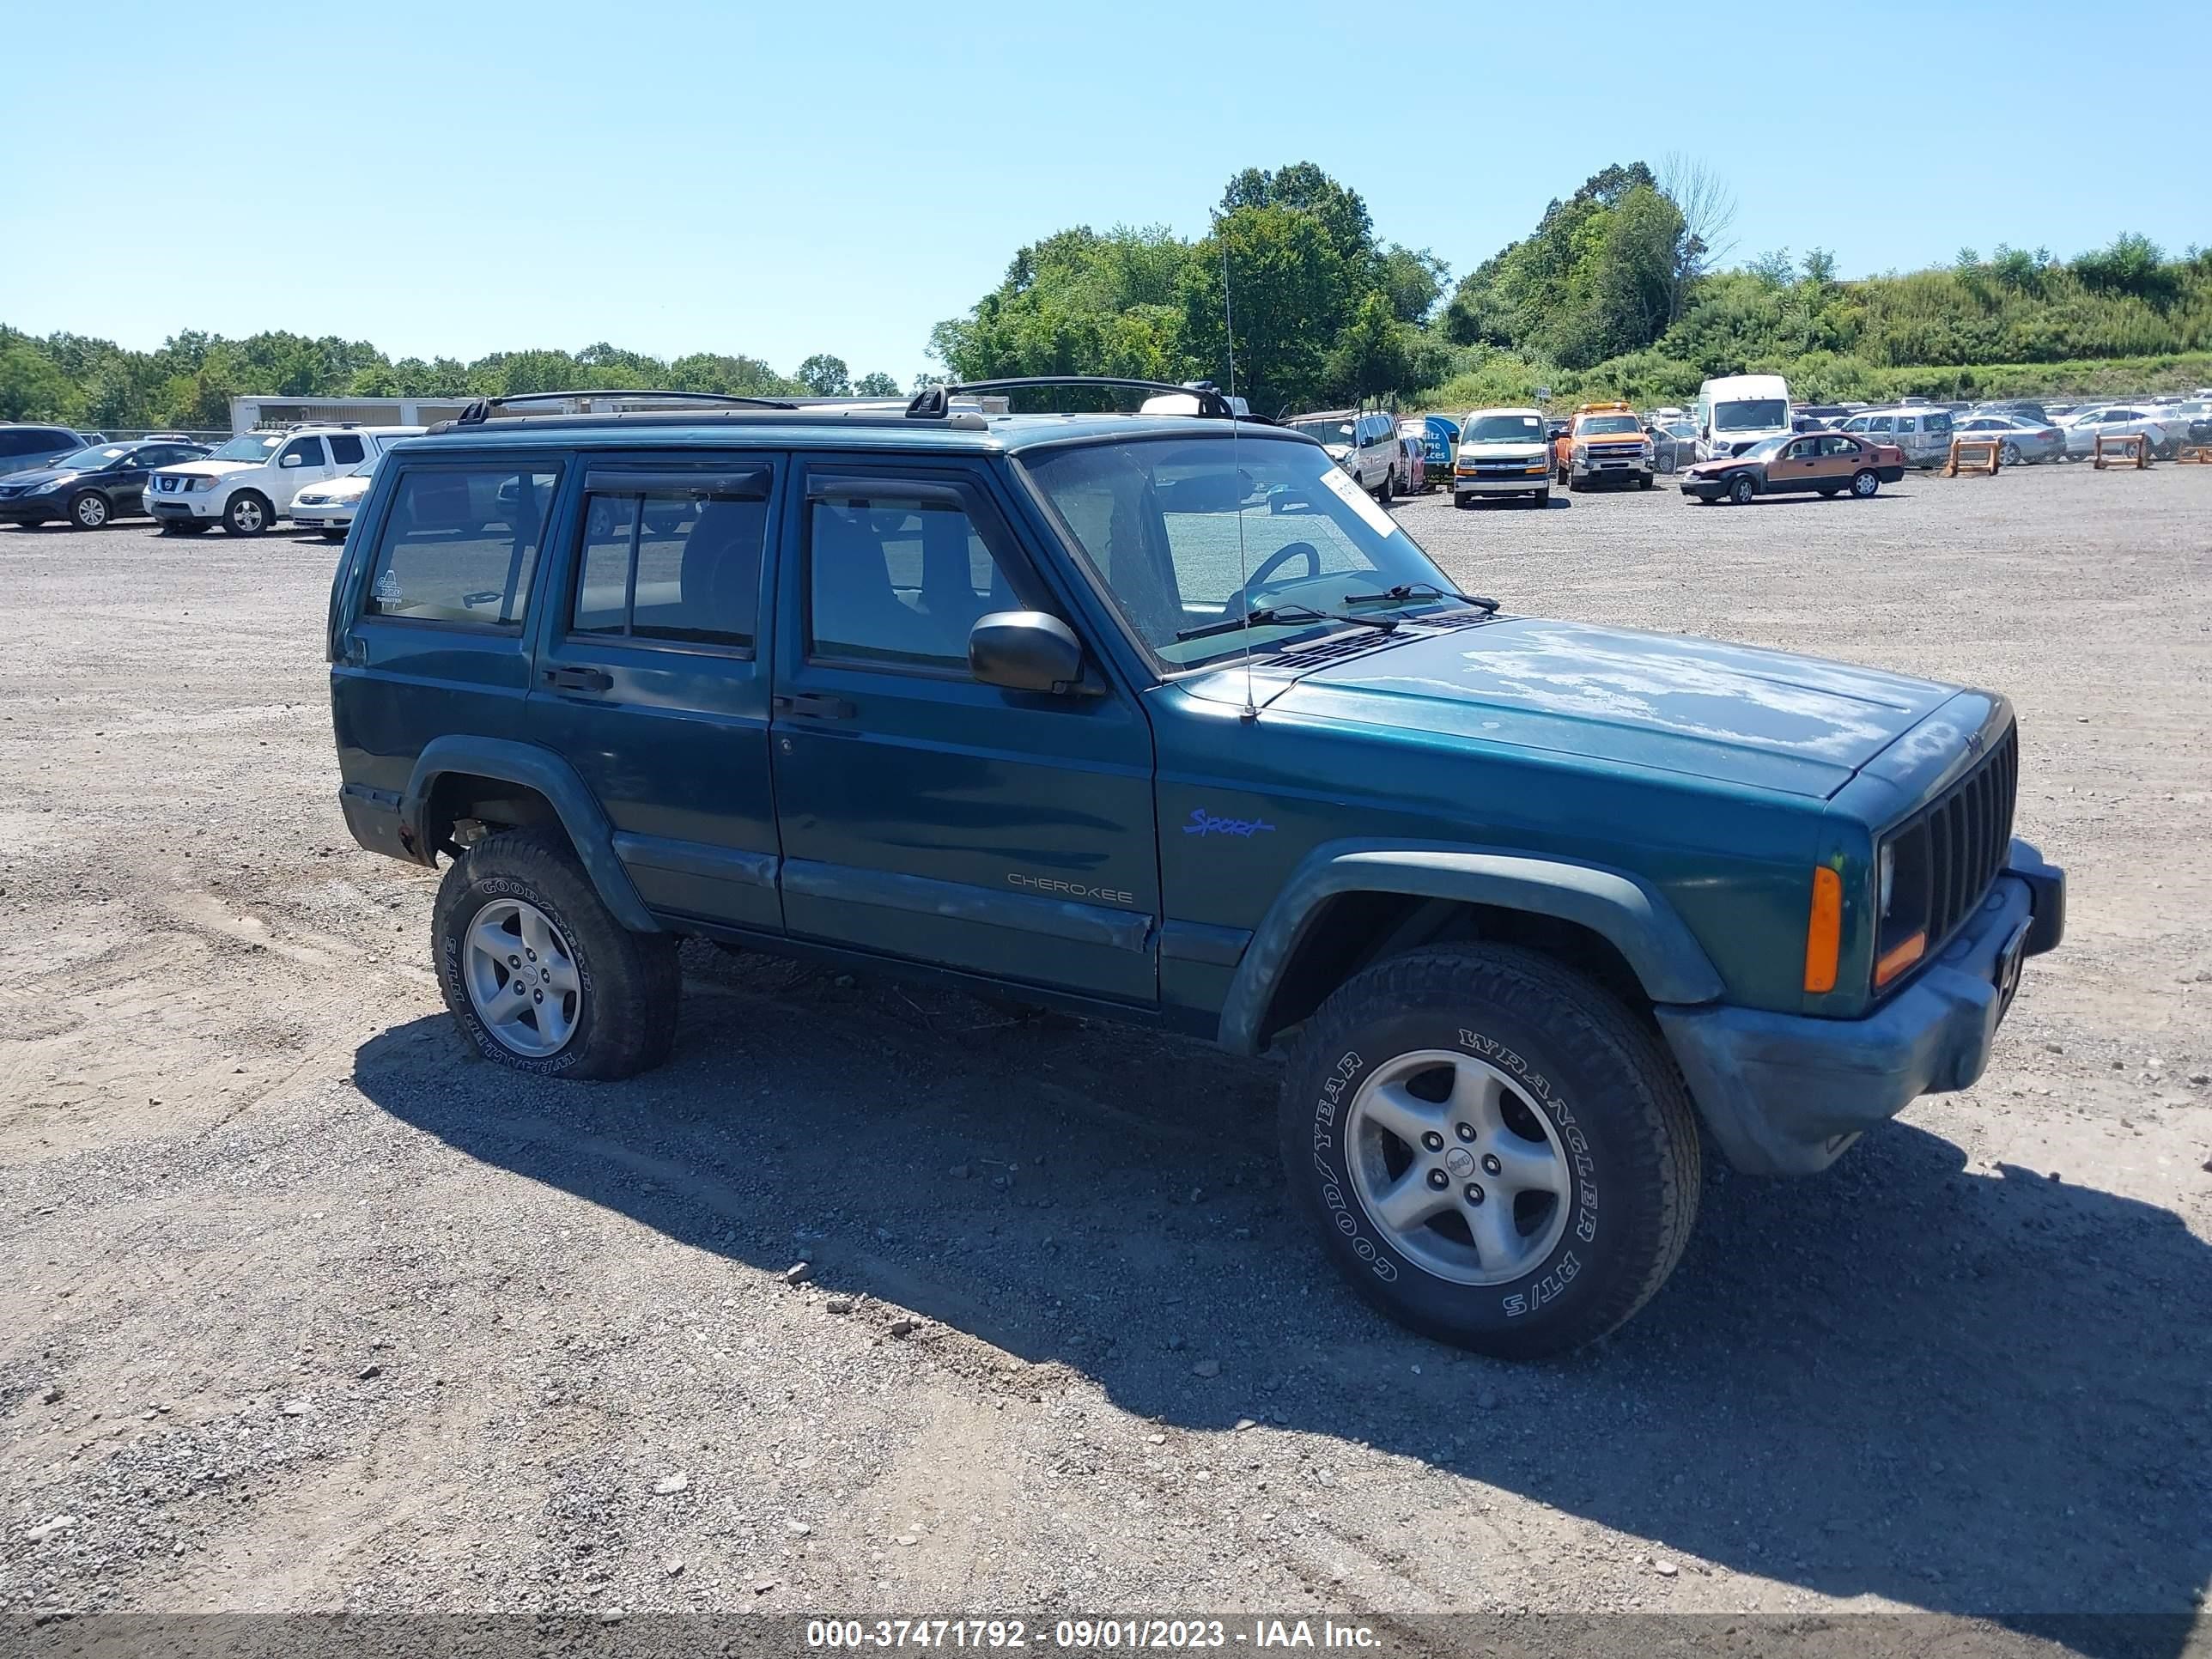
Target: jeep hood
(1728,713)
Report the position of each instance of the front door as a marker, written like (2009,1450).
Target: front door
(1797,467)
(924,815)
(300,463)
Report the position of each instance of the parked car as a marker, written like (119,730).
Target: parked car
(89,487)
(25,445)
(1922,431)
(1674,444)
(2020,440)
(1605,443)
(1503,452)
(1542,909)
(1413,462)
(1827,463)
(248,484)
(2189,421)
(2117,421)
(330,508)
(1818,418)
(1365,443)
(2019,409)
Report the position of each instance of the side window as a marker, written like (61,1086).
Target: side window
(302,451)
(345,449)
(1804,449)
(662,560)
(1937,424)
(461,546)
(1878,423)
(1836,444)
(20,443)
(898,574)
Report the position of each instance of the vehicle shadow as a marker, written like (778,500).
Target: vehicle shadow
(1979,1392)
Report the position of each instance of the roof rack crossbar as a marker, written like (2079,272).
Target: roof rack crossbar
(934,402)
(484,408)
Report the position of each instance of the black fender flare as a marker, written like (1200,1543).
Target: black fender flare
(539,769)
(1657,945)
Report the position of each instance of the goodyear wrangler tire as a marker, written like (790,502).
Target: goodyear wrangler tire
(1494,1153)
(537,971)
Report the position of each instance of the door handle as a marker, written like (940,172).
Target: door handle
(815,705)
(579,679)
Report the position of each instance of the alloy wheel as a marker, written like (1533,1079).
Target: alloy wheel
(522,978)
(1469,1181)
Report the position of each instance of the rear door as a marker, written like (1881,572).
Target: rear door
(650,683)
(431,612)
(924,815)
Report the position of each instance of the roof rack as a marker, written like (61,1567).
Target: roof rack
(484,409)
(934,402)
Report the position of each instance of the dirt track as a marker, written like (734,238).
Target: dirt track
(309,1309)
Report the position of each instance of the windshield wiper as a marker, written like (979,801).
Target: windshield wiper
(1284,613)
(1415,590)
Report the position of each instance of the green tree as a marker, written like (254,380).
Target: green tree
(1290,302)
(825,376)
(32,387)
(1414,280)
(1373,356)
(877,385)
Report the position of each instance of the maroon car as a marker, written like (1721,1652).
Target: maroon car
(1829,463)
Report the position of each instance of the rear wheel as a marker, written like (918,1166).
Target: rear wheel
(1864,483)
(2008,454)
(1389,480)
(537,972)
(88,511)
(1490,1149)
(1742,491)
(334,535)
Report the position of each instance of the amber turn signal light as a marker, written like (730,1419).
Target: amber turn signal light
(1824,931)
(1899,957)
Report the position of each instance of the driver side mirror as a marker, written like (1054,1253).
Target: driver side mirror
(1026,650)
(289,460)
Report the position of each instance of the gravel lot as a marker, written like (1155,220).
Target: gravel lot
(310,1309)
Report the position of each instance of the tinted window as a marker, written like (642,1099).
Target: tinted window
(1878,423)
(165,455)
(667,567)
(1938,423)
(345,449)
(461,546)
(899,574)
(309,452)
(21,442)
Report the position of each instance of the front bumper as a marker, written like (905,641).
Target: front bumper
(1623,470)
(30,509)
(330,515)
(200,504)
(1784,1094)
(1705,489)
(1501,483)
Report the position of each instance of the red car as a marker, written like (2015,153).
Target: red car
(1829,463)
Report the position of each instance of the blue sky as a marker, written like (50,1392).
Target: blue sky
(670,177)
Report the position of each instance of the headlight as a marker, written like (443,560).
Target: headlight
(199,483)
(1582,451)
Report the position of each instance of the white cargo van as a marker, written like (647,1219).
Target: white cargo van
(1736,412)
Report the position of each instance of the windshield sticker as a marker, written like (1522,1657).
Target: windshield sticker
(1360,501)
(1203,822)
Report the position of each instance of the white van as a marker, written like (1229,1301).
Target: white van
(1736,412)
(249,483)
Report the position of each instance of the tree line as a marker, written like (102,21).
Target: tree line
(1292,299)
(189,380)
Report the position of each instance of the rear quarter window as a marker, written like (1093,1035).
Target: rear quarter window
(461,544)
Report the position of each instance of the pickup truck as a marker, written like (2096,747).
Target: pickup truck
(1162,719)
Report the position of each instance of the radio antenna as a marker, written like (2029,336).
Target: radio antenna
(1236,465)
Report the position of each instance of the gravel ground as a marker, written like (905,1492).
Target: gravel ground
(310,1309)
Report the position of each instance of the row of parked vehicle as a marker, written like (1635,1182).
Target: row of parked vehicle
(315,477)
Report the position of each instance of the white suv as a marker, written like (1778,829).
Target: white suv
(1363,442)
(249,483)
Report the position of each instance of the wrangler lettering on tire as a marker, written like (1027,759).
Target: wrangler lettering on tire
(1495,1152)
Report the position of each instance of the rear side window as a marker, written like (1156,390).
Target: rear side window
(460,546)
(25,442)
(1938,423)
(345,449)
(665,559)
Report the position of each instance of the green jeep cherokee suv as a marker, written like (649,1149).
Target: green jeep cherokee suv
(1161,718)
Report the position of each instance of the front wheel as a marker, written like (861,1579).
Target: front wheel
(89,510)
(1643,481)
(248,515)
(1742,491)
(1864,483)
(539,975)
(1462,500)
(1542,498)
(1389,480)
(1490,1149)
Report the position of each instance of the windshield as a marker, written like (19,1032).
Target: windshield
(1328,432)
(92,459)
(1503,429)
(1751,416)
(1184,533)
(366,467)
(248,446)
(1598,426)
(1680,430)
